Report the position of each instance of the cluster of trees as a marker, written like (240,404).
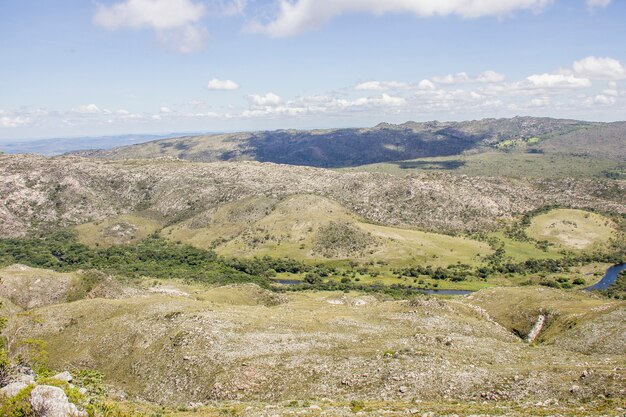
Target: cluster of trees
(153,257)
(160,258)
(454,272)
(498,265)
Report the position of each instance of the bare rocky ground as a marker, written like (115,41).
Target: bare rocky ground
(38,192)
(246,351)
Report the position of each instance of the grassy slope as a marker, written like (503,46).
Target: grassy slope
(117,230)
(571,229)
(238,343)
(266,226)
(515,164)
(290,227)
(518,308)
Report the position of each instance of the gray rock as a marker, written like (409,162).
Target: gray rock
(63,376)
(51,401)
(12,389)
(27,379)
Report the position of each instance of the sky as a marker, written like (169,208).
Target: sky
(72,68)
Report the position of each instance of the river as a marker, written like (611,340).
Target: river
(610,276)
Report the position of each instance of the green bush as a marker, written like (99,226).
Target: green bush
(19,405)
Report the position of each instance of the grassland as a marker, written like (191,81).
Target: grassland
(117,230)
(294,228)
(572,229)
(512,164)
(267,227)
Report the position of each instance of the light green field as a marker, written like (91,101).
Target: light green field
(571,229)
(521,251)
(117,230)
(412,246)
(259,227)
(513,164)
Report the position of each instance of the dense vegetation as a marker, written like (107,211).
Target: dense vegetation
(342,239)
(155,257)
(152,257)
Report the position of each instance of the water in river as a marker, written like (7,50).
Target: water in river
(608,279)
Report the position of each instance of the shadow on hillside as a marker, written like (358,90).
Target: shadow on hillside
(350,147)
(430,165)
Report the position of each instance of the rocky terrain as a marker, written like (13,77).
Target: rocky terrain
(40,192)
(164,338)
(189,346)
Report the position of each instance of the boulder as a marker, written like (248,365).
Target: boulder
(12,389)
(26,379)
(49,401)
(63,376)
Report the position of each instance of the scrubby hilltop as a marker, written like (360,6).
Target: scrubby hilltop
(39,192)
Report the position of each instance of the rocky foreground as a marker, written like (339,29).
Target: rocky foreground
(254,352)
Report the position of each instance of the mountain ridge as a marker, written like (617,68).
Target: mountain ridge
(350,147)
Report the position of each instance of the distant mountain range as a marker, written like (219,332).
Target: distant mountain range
(337,148)
(58,146)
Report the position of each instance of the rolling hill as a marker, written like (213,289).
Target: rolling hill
(340,148)
(42,192)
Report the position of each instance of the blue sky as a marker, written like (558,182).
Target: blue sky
(90,68)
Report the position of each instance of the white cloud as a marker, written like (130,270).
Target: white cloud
(231,8)
(459,77)
(599,68)
(388,100)
(540,101)
(601,99)
(297,16)
(185,40)
(18,121)
(216,84)
(490,77)
(425,85)
(165,110)
(88,109)
(380,85)
(156,14)
(463,77)
(268,100)
(174,21)
(592,4)
(558,81)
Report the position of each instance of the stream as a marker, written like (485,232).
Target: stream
(610,276)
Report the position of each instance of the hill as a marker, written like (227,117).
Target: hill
(334,148)
(42,192)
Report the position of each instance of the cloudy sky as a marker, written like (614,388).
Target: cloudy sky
(101,67)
